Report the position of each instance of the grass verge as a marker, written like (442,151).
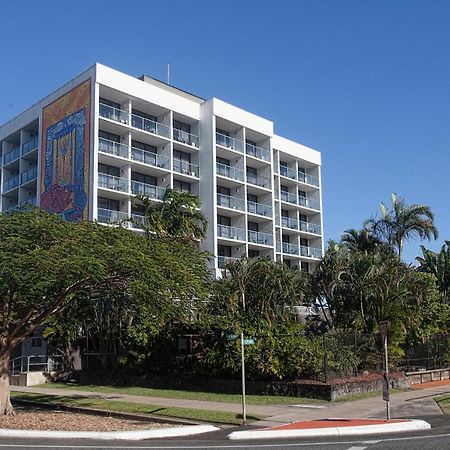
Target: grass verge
(220,417)
(185,395)
(444,403)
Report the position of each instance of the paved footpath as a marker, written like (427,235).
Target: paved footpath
(408,404)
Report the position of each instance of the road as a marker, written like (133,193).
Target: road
(438,438)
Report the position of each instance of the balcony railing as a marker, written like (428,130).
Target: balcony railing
(11,184)
(111,182)
(116,114)
(155,192)
(185,137)
(227,232)
(29,175)
(310,252)
(290,249)
(229,142)
(259,208)
(230,202)
(150,126)
(288,197)
(309,227)
(308,179)
(29,146)
(257,152)
(288,222)
(150,158)
(11,155)
(222,261)
(260,238)
(185,167)
(112,148)
(139,221)
(308,202)
(258,180)
(230,172)
(111,216)
(288,172)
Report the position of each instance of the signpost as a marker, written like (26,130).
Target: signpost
(383,334)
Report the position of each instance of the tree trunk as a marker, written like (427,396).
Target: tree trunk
(5,401)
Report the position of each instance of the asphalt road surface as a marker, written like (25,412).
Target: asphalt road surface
(438,438)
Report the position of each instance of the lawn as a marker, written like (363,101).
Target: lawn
(220,417)
(444,403)
(186,395)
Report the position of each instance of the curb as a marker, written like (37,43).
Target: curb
(114,435)
(407,425)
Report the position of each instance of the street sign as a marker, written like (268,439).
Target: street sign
(383,330)
(248,341)
(232,337)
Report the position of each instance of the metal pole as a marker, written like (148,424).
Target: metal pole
(386,366)
(244,408)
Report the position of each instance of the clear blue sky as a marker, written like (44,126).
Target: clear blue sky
(365,82)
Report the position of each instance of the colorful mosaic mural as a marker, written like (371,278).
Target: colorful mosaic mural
(66,154)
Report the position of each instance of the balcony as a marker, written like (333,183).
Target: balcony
(229,172)
(150,126)
(112,148)
(111,182)
(223,261)
(257,180)
(28,176)
(29,146)
(185,137)
(290,249)
(11,156)
(309,203)
(11,184)
(224,231)
(111,113)
(308,179)
(288,222)
(257,237)
(155,192)
(257,152)
(229,142)
(111,216)
(259,208)
(310,252)
(150,158)
(308,227)
(288,172)
(288,197)
(230,202)
(139,221)
(185,167)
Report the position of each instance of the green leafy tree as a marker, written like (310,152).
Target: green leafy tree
(46,263)
(402,222)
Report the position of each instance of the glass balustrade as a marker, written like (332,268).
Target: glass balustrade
(29,175)
(222,261)
(11,183)
(308,202)
(11,156)
(111,113)
(229,142)
(288,172)
(311,179)
(139,221)
(227,232)
(230,172)
(150,158)
(111,216)
(288,222)
(185,137)
(29,146)
(259,208)
(111,182)
(149,190)
(288,197)
(257,152)
(230,202)
(150,126)
(290,249)
(309,227)
(185,167)
(258,180)
(310,252)
(260,238)
(113,148)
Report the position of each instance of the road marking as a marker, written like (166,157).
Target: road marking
(310,406)
(357,448)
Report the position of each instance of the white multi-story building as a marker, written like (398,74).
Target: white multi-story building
(87,149)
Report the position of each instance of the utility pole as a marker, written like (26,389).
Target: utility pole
(244,408)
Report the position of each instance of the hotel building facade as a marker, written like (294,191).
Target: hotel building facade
(87,149)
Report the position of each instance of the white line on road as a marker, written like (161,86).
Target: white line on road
(310,406)
(357,448)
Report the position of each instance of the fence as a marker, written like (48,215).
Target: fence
(37,363)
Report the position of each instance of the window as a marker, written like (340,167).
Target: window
(107,203)
(144,115)
(285,238)
(181,126)
(303,218)
(225,133)
(305,266)
(253,253)
(284,213)
(181,186)
(143,146)
(182,156)
(287,262)
(252,198)
(225,162)
(224,220)
(304,242)
(253,226)
(109,136)
(283,168)
(142,178)
(223,190)
(249,142)
(109,103)
(224,250)
(143,121)
(284,188)
(108,170)
(36,342)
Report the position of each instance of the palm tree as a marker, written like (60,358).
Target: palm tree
(361,240)
(177,216)
(401,223)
